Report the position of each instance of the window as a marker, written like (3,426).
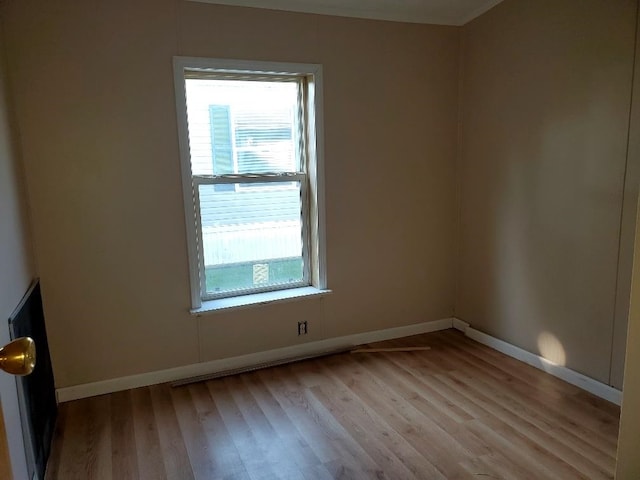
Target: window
(252,178)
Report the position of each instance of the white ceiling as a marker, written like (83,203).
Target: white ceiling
(442,12)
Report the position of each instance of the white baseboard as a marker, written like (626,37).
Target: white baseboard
(311,348)
(206,368)
(570,376)
(460,325)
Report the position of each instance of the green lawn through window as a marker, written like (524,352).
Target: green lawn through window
(238,276)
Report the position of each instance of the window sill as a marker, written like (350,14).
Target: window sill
(266,298)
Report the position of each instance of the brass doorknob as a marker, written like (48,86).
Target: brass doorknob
(18,357)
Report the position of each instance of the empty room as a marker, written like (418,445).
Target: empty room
(319,239)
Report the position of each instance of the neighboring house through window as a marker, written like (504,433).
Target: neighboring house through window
(252,176)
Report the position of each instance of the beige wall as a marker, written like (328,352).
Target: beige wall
(16,269)
(545,95)
(95,103)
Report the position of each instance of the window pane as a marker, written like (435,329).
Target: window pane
(251,235)
(241,126)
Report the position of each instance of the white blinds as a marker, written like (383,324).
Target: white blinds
(240,126)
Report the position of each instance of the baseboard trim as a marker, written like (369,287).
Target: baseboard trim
(76,392)
(570,376)
(595,387)
(460,325)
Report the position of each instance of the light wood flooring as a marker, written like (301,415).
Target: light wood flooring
(457,411)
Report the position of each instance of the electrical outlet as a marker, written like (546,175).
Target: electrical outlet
(302,328)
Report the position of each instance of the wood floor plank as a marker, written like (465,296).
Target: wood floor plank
(497,465)
(427,438)
(428,380)
(599,430)
(174,451)
(527,465)
(479,467)
(554,453)
(398,445)
(281,442)
(99,463)
(346,458)
(455,411)
(277,453)
(438,410)
(594,462)
(503,364)
(123,444)
(195,437)
(87,442)
(225,456)
(319,472)
(363,433)
(569,396)
(253,453)
(75,435)
(148,449)
(545,457)
(312,448)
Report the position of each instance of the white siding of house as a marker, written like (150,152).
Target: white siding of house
(249,204)
(251,224)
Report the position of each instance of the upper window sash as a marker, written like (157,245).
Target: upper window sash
(250,178)
(192,73)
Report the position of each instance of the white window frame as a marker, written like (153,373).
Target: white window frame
(315,257)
